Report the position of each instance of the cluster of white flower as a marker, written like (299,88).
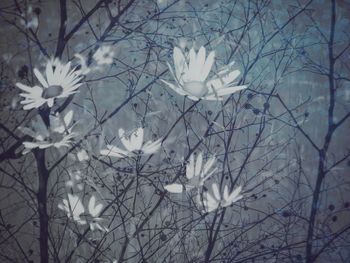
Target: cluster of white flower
(197,174)
(103,56)
(75,210)
(58,134)
(61,81)
(74,207)
(29,19)
(75,180)
(191,77)
(190,74)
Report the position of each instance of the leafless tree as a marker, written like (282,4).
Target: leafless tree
(283,139)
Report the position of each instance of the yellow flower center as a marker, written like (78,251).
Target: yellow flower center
(52,91)
(196,88)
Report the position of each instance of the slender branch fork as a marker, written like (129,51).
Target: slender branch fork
(321,173)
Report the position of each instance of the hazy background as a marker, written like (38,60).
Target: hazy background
(282,51)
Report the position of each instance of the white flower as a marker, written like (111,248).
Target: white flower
(73,207)
(84,69)
(29,20)
(82,155)
(104,55)
(196,174)
(75,180)
(57,135)
(191,78)
(134,145)
(60,82)
(94,211)
(213,202)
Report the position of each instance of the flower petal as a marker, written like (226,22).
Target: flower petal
(175,88)
(190,167)
(174,188)
(179,63)
(40,77)
(216,192)
(207,66)
(201,59)
(125,141)
(136,139)
(230,77)
(114,152)
(92,204)
(235,195)
(208,165)
(24,87)
(192,67)
(198,166)
(225,196)
(229,90)
(151,147)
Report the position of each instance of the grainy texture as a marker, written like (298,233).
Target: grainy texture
(283,137)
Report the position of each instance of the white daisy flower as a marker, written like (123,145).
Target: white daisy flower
(104,55)
(74,208)
(134,145)
(191,78)
(95,211)
(196,174)
(59,134)
(213,202)
(60,82)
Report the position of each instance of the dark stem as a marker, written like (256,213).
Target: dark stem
(323,152)
(212,239)
(43,177)
(315,198)
(62,31)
